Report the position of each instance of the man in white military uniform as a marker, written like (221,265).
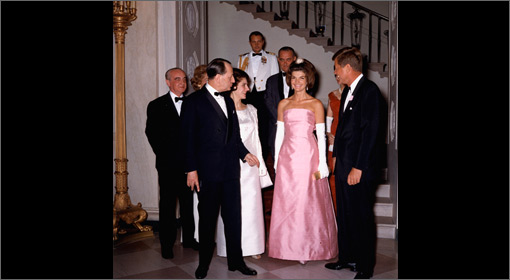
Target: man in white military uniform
(259,65)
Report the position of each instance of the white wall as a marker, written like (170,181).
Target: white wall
(142,79)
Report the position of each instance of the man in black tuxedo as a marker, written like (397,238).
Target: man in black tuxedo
(358,144)
(163,130)
(276,90)
(213,148)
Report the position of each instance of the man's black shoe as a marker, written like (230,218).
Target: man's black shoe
(201,272)
(244,270)
(167,253)
(193,245)
(363,275)
(339,265)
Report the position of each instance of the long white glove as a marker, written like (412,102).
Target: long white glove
(329,122)
(280,131)
(321,142)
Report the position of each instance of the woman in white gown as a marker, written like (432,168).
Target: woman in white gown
(253,179)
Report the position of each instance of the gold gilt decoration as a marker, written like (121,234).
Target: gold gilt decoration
(124,12)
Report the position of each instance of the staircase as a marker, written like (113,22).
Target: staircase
(290,25)
(308,34)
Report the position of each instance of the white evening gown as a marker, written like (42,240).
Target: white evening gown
(252,213)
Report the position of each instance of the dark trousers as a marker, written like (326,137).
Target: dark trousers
(213,196)
(256,98)
(172,185)
(356,223)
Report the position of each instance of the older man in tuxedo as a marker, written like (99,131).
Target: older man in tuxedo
(163,130)
(213,147)
(358,144)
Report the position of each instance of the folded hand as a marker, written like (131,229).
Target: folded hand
(354,176)
(252,160)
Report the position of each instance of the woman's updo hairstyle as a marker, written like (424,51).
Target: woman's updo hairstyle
(307,67)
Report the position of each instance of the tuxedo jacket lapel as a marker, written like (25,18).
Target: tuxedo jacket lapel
(280,86)
(169,104)
(354,96)
(342,103)
(216,107)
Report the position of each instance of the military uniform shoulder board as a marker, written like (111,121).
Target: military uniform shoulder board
(243,64)
(271,53)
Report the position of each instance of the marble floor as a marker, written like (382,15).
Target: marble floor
(142,260)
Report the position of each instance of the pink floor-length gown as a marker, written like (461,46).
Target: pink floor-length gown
(303,225)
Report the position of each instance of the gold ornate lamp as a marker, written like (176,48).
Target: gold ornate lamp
(124,12)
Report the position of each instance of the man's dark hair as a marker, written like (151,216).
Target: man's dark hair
(256,33)
(287,48)
(351,56)
(216,66)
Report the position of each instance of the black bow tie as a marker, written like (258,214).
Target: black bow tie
(179,98)
(283,73)
(346,89)
(218,93)
(255,54)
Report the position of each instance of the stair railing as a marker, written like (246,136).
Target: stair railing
(294,10)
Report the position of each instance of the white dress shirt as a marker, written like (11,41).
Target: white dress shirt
(351,90)
(177,104)
(220,99)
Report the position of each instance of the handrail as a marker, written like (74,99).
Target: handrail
(366,10)
(379,17)
(334,19)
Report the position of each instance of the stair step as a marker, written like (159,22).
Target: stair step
(268,16)
(383,190)
(378,66)
(321,41)
(301,32)
(334,48)
(386,227)
(250,8)
(284,24)
(383,207)
(384,220)
(384,171)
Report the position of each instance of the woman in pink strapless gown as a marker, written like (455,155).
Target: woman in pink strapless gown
(303,225)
